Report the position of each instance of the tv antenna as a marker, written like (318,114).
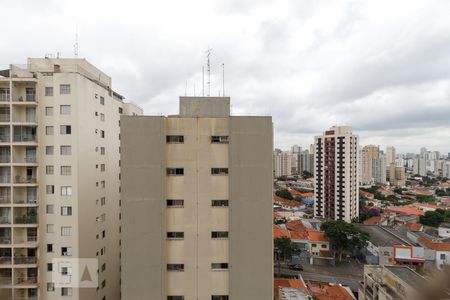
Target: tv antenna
(75,46)
(208,69)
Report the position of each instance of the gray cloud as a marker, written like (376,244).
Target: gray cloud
(379,65)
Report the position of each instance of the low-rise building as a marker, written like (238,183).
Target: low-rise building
(444,230)
(329,291)
(389,283)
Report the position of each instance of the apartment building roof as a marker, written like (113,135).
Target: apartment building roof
(382,237)
(407,275)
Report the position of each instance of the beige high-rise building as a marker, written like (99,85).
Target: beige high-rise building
(368,154)
(396,175)
(59,177)
(197,204)
(390,155)
(336,183)
(282,163)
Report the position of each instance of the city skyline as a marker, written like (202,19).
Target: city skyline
(308,64)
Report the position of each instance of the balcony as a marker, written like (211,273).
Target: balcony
(25,179)
(25,280)
(5,240)
(30,201)
(4,97)
(25,260)
(4,138)
(4,159)
(5,220)
(5,281)
(5,199)
(26,219)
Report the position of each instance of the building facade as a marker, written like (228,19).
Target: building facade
(336,183)
(59,185)
(396,175)
(196,203)
(368,154)
(390,155)
(306,162)
(282,163)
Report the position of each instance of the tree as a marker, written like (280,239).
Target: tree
(344,236)
(284,193)
(285,246)
(306,175)
(434,218)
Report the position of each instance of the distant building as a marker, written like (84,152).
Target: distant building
(336,183)
(446,169)
(379,169)
(306,162)
(389,283)
(419,166)
(390,155)
(368,154)
(282,163)
(396,175)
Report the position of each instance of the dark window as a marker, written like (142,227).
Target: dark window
(66,129)
(221,139)
(49,267)
(173,202)
(219,171)
(175,139)
(175,171)
(120,110)
(175,267)
(175,297)
(219,297)
(219,266)
(49,247)
(102,100)
(175,235)
(48,91)
(219,234)
(219,203)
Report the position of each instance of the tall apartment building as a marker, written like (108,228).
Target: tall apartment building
(396,175)
(59,177)
(368,154)
(379,169)
(306,162)
(197,204)
(390,155)
(446,169)
(282,163)
(420,166)
(336,183)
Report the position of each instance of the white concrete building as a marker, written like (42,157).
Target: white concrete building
(59,177)
(282,163)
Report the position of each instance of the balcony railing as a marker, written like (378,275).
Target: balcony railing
(25,138)
(32,238)
(4,97)
(5,280)
(27,179)
(5,260)
(26,220)
(26,260)
(30,97)
(30,159)
(5,179)
(25,201)
(5,159)
(5,220)
(5,240)
(4,138)
(25,280)
(4,117)
(5,199)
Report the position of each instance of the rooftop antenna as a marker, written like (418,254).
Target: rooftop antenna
(203,81)
(208,69)
(75,46)
(223,80)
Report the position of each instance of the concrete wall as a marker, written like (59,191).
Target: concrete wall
(143,211)
(251,181)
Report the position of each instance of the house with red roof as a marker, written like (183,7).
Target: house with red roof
(406,210)
(283,287)
(328,291)
(442,249)
(286,204)
(308,238)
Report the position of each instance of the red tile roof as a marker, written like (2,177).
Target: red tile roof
(437,246)
(293,283)
(406,210)
(300,232)
(326,291)
(286,202)
(373,220)
(367,194)
(414,226)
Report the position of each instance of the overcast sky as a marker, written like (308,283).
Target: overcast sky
(381,66)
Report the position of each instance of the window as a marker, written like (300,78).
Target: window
(49,150)
(66,190)
(50,228)
(50,189)
(219,266)
(102,184)
(219,203)
(66,210)
(64,109)
(175,203)
(175,267)
(49,170)
(102,100)
(66,170)
(49,110)
(66,251)
(48,91)
(102,150)
(66,150)
(219,297)
(64,89)
(442,256)
(175,171)
(104,267)
(120,110)
(102,167)
(49,267)
(65,291)
(49,247)
(219,139)
(175,139)
(175,297)
(50,208)
(219,234)
(65,129)
(175,235)
(50,287)
(48,130)
(103,201)
(102,117)
(219,171)
(313,245)
(102,134)
(323,246)
(66,231)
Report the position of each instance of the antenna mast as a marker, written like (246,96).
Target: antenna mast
(75,46)
(223,80)
(208,69)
